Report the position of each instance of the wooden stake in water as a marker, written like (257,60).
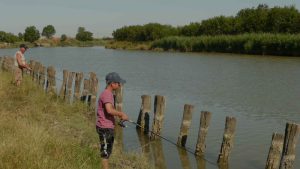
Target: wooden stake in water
(275,151)
(159,111)
(289,146)
(185,125)
(78,79)
(63,89)
(36,72)
(143,119)
(1,61)
(203,129)
(227,143)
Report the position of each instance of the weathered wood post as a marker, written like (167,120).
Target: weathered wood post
(201,162)
(159,111)
(1,61)
(227,143)
(85,91)
(275,151)
(36,72)
(69,87)
(93,89)
(42,73)
(8,64)
(143,118)
(63,89)
(118,95)
(119,98)
(185,124)
(51,81)
(78,79)
(145,144)
(203,129)
(289,146)
(32,65)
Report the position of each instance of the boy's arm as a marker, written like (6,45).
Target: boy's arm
(111,110)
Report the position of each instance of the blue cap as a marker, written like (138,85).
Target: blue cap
(114,77)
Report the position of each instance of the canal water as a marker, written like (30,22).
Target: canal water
(262,92)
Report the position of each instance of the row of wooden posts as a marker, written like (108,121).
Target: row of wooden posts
(282,151)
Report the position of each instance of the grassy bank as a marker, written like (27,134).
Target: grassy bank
(42,132)
(259,44)
(112,44)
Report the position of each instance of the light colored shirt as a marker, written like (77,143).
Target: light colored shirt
(22,58)
(104,119)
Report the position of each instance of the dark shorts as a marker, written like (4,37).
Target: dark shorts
(106,137)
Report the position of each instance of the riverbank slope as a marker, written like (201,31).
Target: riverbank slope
(38,131)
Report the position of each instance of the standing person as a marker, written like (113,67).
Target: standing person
(20,64)
(105,116)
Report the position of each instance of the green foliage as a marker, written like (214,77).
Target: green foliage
(48,31)
(270,44)
(148,32)
(21,36)
(63,37)
(8,37)
(83,35)
(31,34)
(261,19)
(193,29)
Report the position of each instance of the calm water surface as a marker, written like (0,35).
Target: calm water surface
(262,92)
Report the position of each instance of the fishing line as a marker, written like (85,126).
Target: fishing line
(121,123)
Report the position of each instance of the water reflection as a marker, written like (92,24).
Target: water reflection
(184,158)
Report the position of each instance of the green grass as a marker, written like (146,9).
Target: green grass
(38,131)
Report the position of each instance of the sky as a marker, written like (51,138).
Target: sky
(102,17)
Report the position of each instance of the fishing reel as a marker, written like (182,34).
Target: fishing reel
(121,123)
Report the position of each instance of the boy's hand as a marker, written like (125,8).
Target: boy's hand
(124,117)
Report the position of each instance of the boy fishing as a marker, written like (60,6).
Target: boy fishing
(105,116)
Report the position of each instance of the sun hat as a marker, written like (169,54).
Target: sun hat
(114,77)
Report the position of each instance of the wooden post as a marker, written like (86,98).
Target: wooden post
(8,64)
(227,143)
(143,119)
(289,146)
(201,162)
(204,124)
(69,87)
(78,79)
(1,61)
(275,151)
(32,65)
(36,72)
(51,82)
(119,98)
(85,91)
(185,124)
(159,110)
(93,89)
(63,89)
(42,73)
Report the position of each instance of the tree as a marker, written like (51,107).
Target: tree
(21,36)
(63,37)
(8,37)
(48,31)
(84,35)
(31,34)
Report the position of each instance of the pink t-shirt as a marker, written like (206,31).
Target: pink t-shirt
(104,119)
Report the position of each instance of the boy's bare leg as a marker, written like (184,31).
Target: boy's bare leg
(105,163)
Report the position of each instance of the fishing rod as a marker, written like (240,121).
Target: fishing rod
(121,124)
